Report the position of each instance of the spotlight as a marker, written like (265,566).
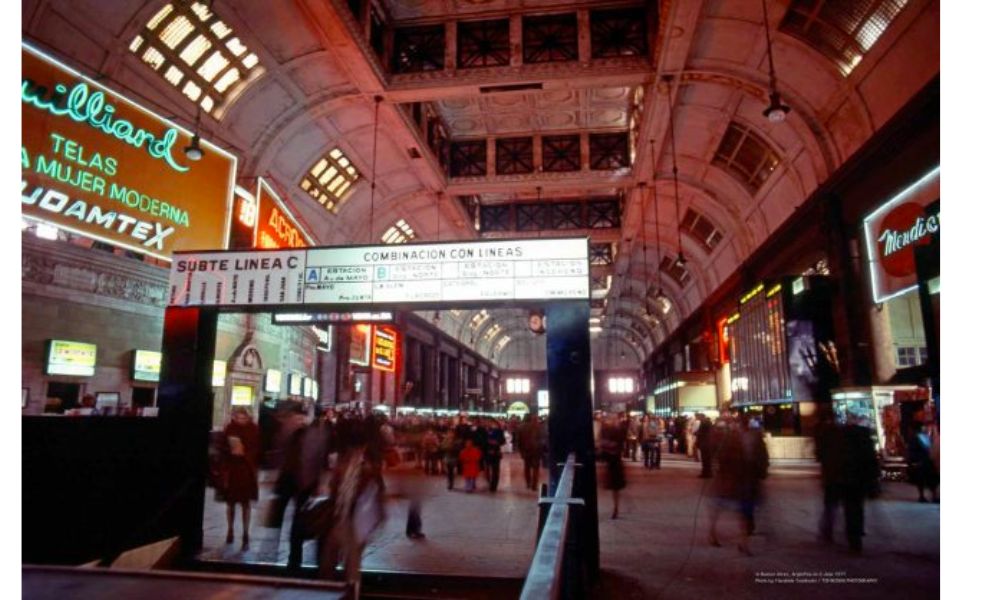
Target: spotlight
(681,260)
(194,151)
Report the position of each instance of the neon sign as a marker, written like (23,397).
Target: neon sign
(96,164)
(893,229)
(384,349)
(84,106)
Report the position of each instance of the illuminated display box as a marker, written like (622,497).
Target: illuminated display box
(64,357)
(146,365)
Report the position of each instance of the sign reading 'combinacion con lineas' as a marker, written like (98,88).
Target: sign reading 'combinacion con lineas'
(479,271)
(95,163)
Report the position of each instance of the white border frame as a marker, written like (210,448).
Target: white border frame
(869,243)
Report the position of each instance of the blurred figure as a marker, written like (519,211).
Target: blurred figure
(240,453)
(358,509)
(529,444)
(756,462)
(703,438)
(921,469)
(742,464)
(651,441)
(450,447)
(495,440)
(469,457)
(305,460)
(632,439)
(431,445)
(612,443)
(850,472)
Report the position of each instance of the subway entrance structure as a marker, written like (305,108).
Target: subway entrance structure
(551,274)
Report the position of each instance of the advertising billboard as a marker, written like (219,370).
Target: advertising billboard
(384,348)
(98,164)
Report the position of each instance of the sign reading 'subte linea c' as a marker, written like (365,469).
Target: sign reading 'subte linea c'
(482,272)
(95,163)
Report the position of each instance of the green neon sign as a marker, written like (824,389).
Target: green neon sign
(84,106)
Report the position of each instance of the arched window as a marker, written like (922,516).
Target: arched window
(400,233)
(197,53)
(329,180)
(746,156)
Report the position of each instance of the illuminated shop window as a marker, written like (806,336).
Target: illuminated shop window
(746,156)
(329,180)
(842,30)
(516,385)
(400,233)
(701,229)
(197,53)
(621,385)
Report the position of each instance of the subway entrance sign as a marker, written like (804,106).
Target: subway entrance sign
(95,163)
(474,273)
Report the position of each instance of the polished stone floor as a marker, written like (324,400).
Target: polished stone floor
(658,547)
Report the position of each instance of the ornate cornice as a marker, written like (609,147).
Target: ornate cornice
(63,270)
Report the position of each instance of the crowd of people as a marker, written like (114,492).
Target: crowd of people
(734,456)
(350,451)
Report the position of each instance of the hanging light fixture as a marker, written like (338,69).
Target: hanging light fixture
(677,194)
(371,215)
(193,150)
(437,314)
(776,110)
(658,292)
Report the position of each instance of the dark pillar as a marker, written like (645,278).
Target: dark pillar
(185,402)
(571,413)
(850,299)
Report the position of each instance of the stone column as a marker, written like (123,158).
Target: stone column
(883,351)
(450,46)
(516,45)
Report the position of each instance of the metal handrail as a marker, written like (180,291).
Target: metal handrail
(546,572)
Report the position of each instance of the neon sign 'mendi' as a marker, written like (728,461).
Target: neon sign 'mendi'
(894,241)
(84,106)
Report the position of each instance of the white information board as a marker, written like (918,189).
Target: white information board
(487,271)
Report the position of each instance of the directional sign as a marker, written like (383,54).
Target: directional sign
(484,272)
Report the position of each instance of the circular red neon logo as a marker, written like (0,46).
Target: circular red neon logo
(905,226)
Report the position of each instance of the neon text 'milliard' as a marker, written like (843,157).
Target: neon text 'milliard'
(86,106)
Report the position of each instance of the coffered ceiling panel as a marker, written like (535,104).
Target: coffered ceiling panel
(517,113)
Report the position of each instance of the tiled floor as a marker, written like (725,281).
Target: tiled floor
(658,547)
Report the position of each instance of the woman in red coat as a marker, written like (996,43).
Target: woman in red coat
(240,453)
(469,458)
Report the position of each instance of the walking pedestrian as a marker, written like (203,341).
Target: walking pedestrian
(849,470)
(529,444)
(241,455)
(921,469)
(469,457)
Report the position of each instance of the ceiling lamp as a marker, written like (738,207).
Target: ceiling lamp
(193,150)
(658,291)
(677,194)
(776,110)
(371,216)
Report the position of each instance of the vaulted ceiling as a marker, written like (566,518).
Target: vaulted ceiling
(705,65)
